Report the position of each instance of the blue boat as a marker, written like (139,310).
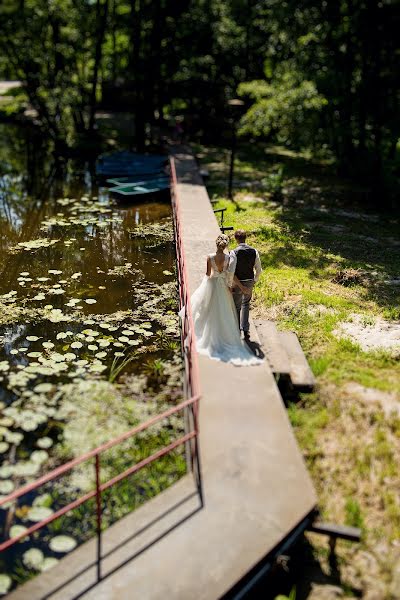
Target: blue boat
(139,179)
(141,189)
(128,164)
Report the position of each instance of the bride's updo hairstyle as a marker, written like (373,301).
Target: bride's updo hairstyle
(222,241)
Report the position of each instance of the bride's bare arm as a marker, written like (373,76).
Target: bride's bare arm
(240,285)
(208,272)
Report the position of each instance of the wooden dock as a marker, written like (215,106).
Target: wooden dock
(258,493)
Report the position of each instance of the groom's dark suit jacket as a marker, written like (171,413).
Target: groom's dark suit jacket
(246,258)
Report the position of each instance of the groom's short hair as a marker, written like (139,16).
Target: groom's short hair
(240,235)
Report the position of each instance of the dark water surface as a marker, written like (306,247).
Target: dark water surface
(85,285)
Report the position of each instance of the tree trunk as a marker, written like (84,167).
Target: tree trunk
(101,20)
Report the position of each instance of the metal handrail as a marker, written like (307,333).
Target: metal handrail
(190,404)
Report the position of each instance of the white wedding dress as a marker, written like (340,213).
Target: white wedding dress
(215,319)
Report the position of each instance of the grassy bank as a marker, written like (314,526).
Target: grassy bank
(331,270)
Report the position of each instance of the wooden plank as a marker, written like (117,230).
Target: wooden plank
(345,532)
(274,350)
(300,373)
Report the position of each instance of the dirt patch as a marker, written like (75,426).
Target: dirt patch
(376,334)
(320,309)
(388,401)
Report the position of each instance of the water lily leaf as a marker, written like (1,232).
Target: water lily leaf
(26,469)
(70,356)
(43,388)
(119,353)
(105,325)
(33,558)
(16,530)
(42,279)
(44,442)
(54,272)
(39,513)
(39,456)
(29,425)
(62,335)
(48,345)
(90,301)
(3,447)
(43,500)
(101,354)
(6,486)
(62,543)
(14,437)
(123,339)
(6,471)
(4,366)
(76,345)
(48,563)
(39,297)
(93,347)
(24,274)
(5,583)
(32,338)
(14,351)
(97,368)
(76,275)
(34,354)
(103,343)
(167,273)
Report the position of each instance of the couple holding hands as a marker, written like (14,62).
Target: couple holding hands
(221,304)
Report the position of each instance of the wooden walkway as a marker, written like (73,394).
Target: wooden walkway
(256,486)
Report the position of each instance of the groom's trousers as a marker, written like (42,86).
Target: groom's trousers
(242,303)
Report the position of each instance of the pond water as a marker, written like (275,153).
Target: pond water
(89,345)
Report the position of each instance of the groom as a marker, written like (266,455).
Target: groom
(248,269)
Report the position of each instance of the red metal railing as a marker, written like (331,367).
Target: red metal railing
(189,406)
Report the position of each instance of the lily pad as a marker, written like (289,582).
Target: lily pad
(48,563)
(6,487)
(48,345)
(5,583)
(39,456)
(16,530)
(44,442)
(62,543)
(90,301)
(43,388)
(33,558)
(76,345)
(39,513)
(3,447)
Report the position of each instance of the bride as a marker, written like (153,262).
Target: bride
(213,309)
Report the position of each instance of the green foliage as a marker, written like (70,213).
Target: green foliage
(285,110)
(354,516)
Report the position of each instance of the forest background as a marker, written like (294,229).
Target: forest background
(321,76)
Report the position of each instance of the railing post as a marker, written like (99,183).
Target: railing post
(98,515)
